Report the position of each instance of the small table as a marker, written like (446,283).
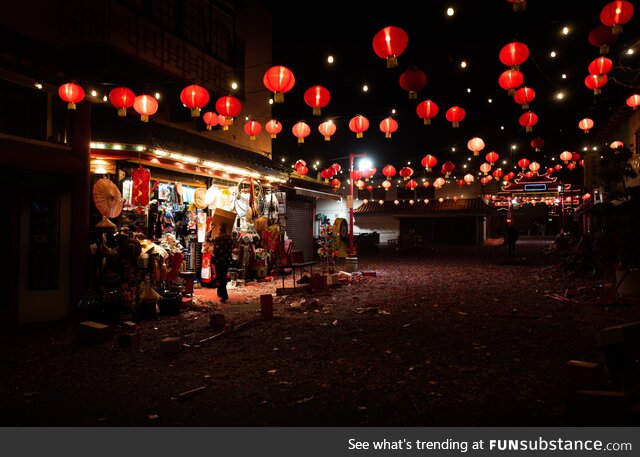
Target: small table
(293,266)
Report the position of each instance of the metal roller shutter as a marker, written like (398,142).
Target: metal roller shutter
(299,226)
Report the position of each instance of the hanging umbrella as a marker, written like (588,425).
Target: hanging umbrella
(108,200)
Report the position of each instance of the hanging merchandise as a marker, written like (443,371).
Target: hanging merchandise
(205,271)
(108,201)
(202,226)
(140,186)
(213,197)
(199,198)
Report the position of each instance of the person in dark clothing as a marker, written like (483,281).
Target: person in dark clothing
(222,250)
(511,238)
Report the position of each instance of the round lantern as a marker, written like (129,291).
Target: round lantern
(195,98)
(475,145)
(550,170)
(510,80)
(601,37)
(301,130)
(586,124)
(469,178)
(528,120)
(429,161)
(317,97)
(595,82)
(523,163)
(524,96)
(455,115)
(273,127)
(411,184)
(327,129)
(492,157)
(359,124)
(634,101)
(566,156)
(447,168)
(427,110)
(369,173)
(336,167)
(581,162)
(229,107)
(359,184)
(514,54)
(145,106)
(498,173)
(438,183)
(299,163)
(335,182)
(406,172)
(211,119)
(389,171)
(122,98)
(558,167)
(327,174)
(224,121)
(575,157)
(303,170)
(386,184)
(252,128)
(389,43)
(571,166)
(426,183)
(460,182)
(600,66)
(534,166)
(537,144)
(616,144)
(279,80)
(615,14)
(71,93)
(388,126)
(355,175)
(485,168)
(412,80)
(529,174)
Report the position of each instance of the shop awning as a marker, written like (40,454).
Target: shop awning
(317,194)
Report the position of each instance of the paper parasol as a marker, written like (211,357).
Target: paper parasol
(198,198)
(107,198)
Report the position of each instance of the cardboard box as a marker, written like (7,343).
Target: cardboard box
(221,216)
(94,333)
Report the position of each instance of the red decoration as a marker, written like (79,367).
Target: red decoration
(389,171)
(195,98)
(586,124)
(252,128)
(317,97)
(571,166)
(510,80)
(469,178)
(427,110)
(475,145)
(460,182)
(140,186)
(122,98)
(359,124)
(558,167)
(616,144)
(492,157)
(615,14)
(368,174)
(386,184)
(455,115)
(388,125)
(600,66)
(411,184)
(537,143)
(145,106)
(279,80)
(575,157)
(224,122)
(335,182)
(229,107)
(514,54)
(355,175)
(389,43)
(429,161)
(634,101)
(447,168)
(524,96)
(528,120)
(595,82)
(327,174)
(301,130)
(211,119)
(602,36)
(273,127)
(71,93)
(550,170)
(438,183)
(336,167)
(523,163)
(406,172)
(412,80)
(327,129)
(565,157)
(302,170)
(498,173)
(299,163)
(485,168)
(534,166)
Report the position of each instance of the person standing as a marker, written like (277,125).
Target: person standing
(222,250)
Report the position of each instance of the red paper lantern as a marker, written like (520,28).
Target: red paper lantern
(359,124)
(122,98)
(337,167)
(389,171)
(301,130)
(571,166)
(558,167)
(565,157)
(595,82)
(575,157)
(327,174)
(427,110)
(412,80)
(195,98)
(368,174)
(600,66)
(279,80)
(224,122)
(475,145)
(469,178)
(389,43)
(492,157)
(327,129)
(71,93)
(252,128)
(211,119)
(498,173)
(460,182)
(386,184)
(523,163)
(229,107)
(299,163)
(406,172)
(302,171)
(529,174)
(537,143)
(616,144)
(586,124)
(455,115)
(550,170)
(335,182)
(140,179)
(355,175)
(528,120)
(273,127)
(438,183)
(601,37)
(534,166)
(514,54)
(581,162)
(411,184)
(447,168)
(524,96)
(510,80)
(634,101)
(615,14)
(388,126)
(317,97)
(145,106)
(485,168)
(429,161)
